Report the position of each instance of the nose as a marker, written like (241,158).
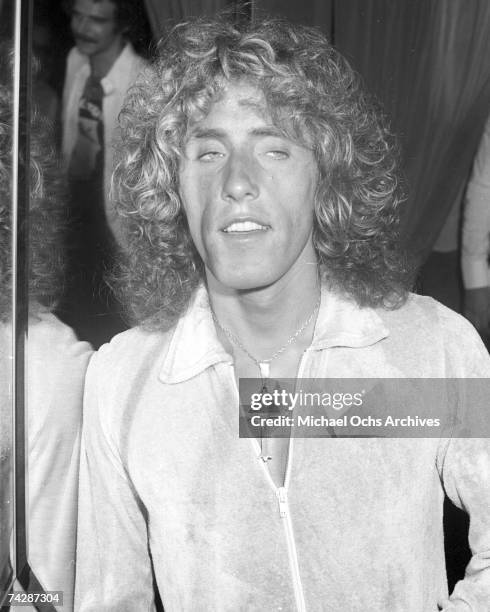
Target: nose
(80,25)
(240,178)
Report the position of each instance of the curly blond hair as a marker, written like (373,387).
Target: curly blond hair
(302,78)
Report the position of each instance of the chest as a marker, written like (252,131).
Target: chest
(186,460)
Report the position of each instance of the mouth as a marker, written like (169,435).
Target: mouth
(81,39)
(245,227)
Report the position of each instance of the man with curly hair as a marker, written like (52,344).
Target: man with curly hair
(259,196)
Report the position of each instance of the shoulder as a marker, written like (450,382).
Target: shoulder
(57,360)
(423,310)
(56,366)
(434,333)
(124,73)
(432,313)
(129,355)
(52,340)
(75,60)
(136,63)
(118,373)
(135,344)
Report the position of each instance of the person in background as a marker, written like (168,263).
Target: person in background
(260,198)
(55,360)
(100,68)
(475,250)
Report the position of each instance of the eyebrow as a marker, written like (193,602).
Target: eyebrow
(202,133)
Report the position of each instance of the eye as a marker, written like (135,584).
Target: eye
(278,154)
(210,156)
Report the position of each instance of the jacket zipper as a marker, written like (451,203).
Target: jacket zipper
(285,515)
(282,497)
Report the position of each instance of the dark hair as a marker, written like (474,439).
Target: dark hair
(303,78)
(129,15)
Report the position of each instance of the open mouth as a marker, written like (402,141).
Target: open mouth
(241,227)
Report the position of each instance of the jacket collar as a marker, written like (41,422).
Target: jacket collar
(119,72)
(117,75)
(195,346)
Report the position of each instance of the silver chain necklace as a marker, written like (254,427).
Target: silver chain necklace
(264,364)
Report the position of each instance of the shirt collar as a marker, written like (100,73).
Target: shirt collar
(119,73)
(195,346)
(342,322)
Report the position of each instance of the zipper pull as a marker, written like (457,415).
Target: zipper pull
(283,501)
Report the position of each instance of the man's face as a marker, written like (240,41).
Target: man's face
(94,26)
(248,193)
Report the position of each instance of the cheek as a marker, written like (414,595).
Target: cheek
(108,34)
(196,200)
(298,203)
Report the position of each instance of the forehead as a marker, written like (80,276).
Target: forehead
(242,107)
(237,106)
(104,9)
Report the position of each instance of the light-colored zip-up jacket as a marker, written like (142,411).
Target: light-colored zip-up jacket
(170,493)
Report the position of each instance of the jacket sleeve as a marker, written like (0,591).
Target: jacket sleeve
(466,476)
(465,472)
(113,570)
(56,366)
(476,220)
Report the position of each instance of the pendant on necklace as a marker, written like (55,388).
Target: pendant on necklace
(265,369)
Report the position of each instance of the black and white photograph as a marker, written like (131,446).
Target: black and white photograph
(245,305)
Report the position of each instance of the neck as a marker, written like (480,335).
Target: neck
(264,319)
(101,63)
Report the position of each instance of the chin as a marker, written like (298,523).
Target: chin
(85,48)
(245,280)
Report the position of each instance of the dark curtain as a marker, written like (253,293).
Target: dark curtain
(163,13)
(429,65)
(307,12)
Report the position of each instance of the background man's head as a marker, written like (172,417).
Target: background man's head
(312,97)
(98,24)
(95,26)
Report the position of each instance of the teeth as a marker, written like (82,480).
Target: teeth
(244,226)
